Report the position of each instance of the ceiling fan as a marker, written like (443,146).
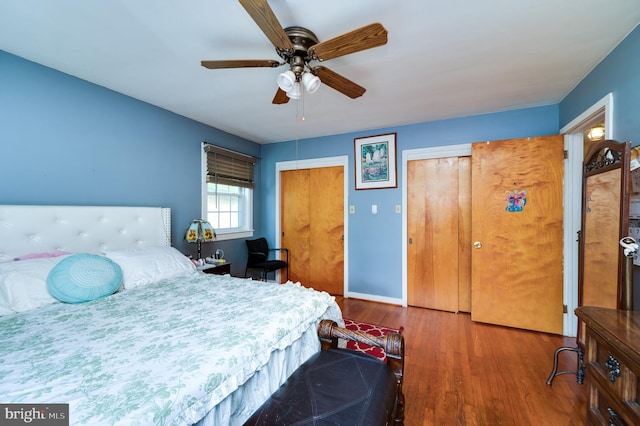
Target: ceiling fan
(298,46)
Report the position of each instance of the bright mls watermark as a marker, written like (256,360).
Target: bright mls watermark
(35,414)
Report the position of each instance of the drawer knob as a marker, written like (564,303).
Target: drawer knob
(614,418)
(614,368)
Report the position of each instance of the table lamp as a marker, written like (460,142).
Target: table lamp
(199,231)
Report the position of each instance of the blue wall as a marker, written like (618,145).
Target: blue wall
(618,73)
(380,236)
(66,141)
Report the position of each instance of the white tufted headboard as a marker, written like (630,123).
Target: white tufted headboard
(86,229)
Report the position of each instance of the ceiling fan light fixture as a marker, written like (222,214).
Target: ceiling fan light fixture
(297,46)
(311,82)
(286,80)
(295,92)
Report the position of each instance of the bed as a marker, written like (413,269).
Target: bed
(171,346)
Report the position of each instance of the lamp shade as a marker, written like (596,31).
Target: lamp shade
(286,80)
(199,231)
(295,91)
(310,82)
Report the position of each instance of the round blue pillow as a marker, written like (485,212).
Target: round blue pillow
(83,277)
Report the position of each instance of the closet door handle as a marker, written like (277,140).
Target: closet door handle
(477,244)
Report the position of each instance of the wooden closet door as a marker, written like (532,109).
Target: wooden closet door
(464,234)
(312,223)
(295,222)
(438,259)
(327,229)
(517,264)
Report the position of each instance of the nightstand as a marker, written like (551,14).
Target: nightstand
(215,268)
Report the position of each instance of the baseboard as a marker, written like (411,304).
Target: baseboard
(374,298)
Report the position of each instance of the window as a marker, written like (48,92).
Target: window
(228,192)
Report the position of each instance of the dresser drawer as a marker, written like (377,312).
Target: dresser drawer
(612,359)
(603,410)
(610,373)
(604,364)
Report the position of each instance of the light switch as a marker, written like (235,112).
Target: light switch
(398,208)
(352,209)
(374,209)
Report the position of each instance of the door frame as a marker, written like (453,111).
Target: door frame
(574,145)
(462,150)
(314,163)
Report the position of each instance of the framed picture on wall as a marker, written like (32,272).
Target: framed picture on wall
(375,158)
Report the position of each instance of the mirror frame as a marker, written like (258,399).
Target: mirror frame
(603,157)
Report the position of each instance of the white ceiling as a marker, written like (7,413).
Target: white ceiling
(444,58)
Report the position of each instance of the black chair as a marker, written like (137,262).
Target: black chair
(259,258)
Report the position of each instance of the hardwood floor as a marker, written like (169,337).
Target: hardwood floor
(458,372)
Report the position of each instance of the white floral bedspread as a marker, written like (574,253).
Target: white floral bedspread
(165,353)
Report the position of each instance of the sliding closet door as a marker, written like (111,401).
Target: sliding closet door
(312,223)
(295,219)
(438,225)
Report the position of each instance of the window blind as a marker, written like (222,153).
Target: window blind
(229,167)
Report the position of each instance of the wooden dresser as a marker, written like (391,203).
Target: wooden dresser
(612,359)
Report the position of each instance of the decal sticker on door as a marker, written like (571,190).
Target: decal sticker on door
(516,199)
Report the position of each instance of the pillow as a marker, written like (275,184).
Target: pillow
(142,266)
(23,285)
(84,277)
(27,256)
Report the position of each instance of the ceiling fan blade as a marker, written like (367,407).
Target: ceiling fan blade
(280,97)
(338,82)
(263,15)
(367,37)
(240,63)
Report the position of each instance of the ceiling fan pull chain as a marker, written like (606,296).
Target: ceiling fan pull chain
(297,136)
(303,96)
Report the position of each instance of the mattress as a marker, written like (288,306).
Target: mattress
(174,352)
